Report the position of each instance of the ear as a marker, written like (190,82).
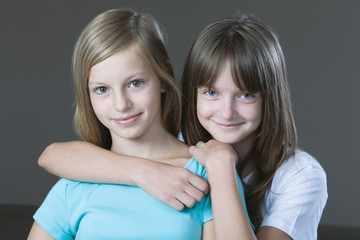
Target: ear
(163,88)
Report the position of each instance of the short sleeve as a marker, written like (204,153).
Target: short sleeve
(52,215)
(295,202)
(207,214)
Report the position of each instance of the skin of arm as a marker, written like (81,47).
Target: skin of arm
(86,162)
(208,231)
(37,233)
(271,233)
(230,220)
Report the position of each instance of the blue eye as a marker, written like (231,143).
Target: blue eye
(210,93)
(135,83)
(101,90)
(247,96)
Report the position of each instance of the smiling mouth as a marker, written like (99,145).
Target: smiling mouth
(128,119)
(228,126)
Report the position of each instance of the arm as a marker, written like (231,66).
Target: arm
(268,233)
(230,218)
(271,233)
(208,231)
(82,161)
(37,233)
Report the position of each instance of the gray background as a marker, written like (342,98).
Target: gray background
(320,40)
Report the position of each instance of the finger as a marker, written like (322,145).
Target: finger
(192,149)
(176,204)
(199,143)
(207,188)
(195,193)
(212,141)
(186,199)
(200,183)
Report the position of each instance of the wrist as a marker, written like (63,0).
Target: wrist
(220,166)
(139,173)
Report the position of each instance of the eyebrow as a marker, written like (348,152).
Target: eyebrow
(132,75)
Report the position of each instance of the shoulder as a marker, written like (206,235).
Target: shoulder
(301,176)
(61,186)
(62,190)
(194,166)
(68,184)
(75,190)
(297,196)
(300,160)
(301,165)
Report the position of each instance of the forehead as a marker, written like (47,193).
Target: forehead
(124,63)
(225,74)
(225,77)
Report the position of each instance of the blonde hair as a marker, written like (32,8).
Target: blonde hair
(107,34)
(257,65)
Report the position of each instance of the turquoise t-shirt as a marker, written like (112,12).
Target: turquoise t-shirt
(77,210)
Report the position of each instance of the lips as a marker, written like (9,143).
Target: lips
(228,125)
(128,119)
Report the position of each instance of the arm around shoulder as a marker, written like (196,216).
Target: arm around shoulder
(86,162)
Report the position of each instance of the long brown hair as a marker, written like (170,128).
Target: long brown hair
(107,34)
(257,65)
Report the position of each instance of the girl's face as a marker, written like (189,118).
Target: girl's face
(227,113)
(126,95)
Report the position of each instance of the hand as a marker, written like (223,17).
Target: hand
(212,151)
(175,186)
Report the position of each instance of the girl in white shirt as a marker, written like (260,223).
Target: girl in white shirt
(235,81)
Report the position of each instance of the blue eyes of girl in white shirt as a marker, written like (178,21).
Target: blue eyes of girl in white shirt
(211,93)
(247,96)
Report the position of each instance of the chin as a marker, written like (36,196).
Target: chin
(228,140)
(231,139)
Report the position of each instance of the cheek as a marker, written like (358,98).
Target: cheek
(255,114)
(203,109)
(98,107)
(150,99)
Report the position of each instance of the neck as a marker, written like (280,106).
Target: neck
(138,147)
(159,146)
(245,154)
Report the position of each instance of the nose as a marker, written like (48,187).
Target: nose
(227,109)
(121,101)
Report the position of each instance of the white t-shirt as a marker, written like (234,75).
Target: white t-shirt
(297,196)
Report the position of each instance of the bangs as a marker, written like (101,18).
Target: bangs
(210,69)
(244,68)
(243,63)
